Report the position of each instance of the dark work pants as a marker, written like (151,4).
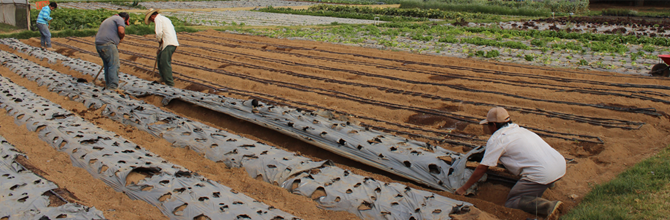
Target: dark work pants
(165,64)
(524,188)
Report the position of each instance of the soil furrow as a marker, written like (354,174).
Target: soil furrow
(235,178)
(592,163)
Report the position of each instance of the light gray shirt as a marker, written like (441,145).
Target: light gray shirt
(109,30)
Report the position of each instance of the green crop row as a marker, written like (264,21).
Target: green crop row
(537,34)
(523,8)
(341,14)
(413,12)
(358,2)
(495,43)
(132,29)
(77,19)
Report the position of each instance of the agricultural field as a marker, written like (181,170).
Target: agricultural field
(321,112)
(255,18)
(183,4)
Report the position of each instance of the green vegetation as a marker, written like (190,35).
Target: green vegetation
(629,12)
(583,37)
(81,23)
(495,43)
(619,12)
(386,14)
(133,4)
(529,57)
(77,19)
(492,54)
(567,46)
(475,8)
(358,2)
(116,1)
(7,28)
(523,8)
(355,13)
(132,29)
(641,192)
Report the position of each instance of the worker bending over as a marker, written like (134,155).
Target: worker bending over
(523,153)
(110,34)
(167,43)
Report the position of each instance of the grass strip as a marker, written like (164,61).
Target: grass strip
(7,28)
(641,192)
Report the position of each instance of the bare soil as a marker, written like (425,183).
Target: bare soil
(304,74)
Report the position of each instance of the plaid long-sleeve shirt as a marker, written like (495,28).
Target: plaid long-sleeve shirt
(45,15)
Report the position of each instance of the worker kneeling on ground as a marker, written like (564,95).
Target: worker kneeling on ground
(523,153)
(167,43)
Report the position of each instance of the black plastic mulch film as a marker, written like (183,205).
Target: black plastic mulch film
(364,196)
(25,195)
(176,191)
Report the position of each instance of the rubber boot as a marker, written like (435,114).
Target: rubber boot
(540,206)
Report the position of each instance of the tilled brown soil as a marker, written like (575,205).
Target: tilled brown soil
(365,83)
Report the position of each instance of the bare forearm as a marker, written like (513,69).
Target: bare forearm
(122,32)
(479,172)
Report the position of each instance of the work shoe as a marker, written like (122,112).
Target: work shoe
(540,206)
(555,210)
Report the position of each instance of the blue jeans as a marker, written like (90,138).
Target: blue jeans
(45,35)
(110,58)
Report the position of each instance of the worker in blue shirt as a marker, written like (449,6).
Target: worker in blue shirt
(43,21)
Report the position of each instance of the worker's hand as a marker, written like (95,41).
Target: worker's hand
(460,191)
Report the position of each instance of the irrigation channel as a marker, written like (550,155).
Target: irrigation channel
(315,89)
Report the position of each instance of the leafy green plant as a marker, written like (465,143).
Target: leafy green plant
(648,48)
(480,53)
(538,42)
(77,19)
(583,62)
(529,57)
(492,54)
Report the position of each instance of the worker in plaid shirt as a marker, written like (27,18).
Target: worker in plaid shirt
(43,21)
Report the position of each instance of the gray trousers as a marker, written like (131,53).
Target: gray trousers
(524,188)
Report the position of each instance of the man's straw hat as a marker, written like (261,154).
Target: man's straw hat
(496,114)
(148,14)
